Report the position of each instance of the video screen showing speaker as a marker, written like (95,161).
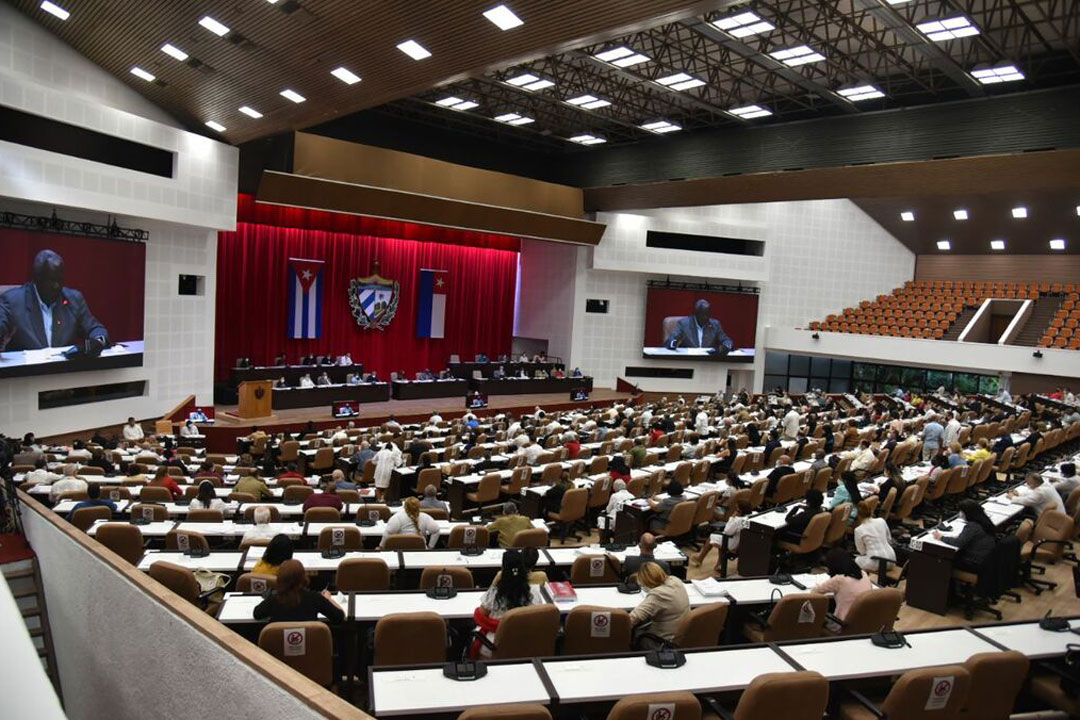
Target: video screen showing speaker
(689,324)
(69,303)
(202,414)
(579,394)
(346,408)
(476,400)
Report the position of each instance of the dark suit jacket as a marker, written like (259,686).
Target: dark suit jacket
(633,563)
(21,314)
(686,335)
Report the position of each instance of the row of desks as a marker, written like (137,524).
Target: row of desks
(578,680)
(296,397)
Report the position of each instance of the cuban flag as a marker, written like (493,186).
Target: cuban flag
(431,304)
(304,311)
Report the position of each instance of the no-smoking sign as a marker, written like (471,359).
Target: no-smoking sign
(940,692)
(661,711)
(601,624)
(295,642)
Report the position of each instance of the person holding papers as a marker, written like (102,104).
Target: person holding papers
(976,541)
(664,606)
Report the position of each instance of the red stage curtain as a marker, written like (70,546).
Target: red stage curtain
(252,298)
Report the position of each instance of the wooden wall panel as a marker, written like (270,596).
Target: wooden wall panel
(322,157)
(1004,268)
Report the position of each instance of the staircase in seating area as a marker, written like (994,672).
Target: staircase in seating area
(960,323)
(1039,320)
(23,578)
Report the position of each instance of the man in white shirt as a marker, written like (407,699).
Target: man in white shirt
(133,432)
(1038,495)
(619,497)
(78,452)
(532,452)
(952,430)
(70,483)
(188,429)
(388,458)
(701,422)
(791,424)
(435,419)
(40,476)
(262,528)
(864,460)
(306,382)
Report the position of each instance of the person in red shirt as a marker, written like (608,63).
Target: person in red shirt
(619,468)
(291,472)
(327,498)
(573,446)
(163,479)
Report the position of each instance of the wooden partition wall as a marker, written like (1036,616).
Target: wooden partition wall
(999,268)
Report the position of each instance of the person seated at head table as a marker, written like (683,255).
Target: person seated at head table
(345,359)
(323,379)
(306,382)
(664,606)
(292,601)
(188,429)
(277,552)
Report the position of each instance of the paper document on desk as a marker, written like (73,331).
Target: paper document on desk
(709,587)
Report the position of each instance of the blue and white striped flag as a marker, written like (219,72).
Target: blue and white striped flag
(304,311)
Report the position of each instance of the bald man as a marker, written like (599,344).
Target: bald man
(43,313)
(700,331)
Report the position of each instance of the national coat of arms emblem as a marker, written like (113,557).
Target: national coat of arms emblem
(374,300)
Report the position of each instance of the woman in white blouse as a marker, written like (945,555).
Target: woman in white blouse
(205,499)
(872,540)
(410,521)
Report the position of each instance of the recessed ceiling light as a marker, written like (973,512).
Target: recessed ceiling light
(998,74)
(862,92)
(456,103)
(749,112)
(1019,212)
(897,2)
(798,55)
(1057,244)
(140,73)
(948,29)
(55,10)
(504,17)
(1078,209)
(174,51)
(216,127)
(997,244)
(661,127)
(587,139)
(346,76)
(622,57)
(960,214)
(251,112)
(589,102)
(514,119)
(944,245)
(679,81)
(414,50)
(292,95)
(214,26)
(743,25)
(530,82)
(907,216)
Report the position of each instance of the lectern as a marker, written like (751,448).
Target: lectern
(255,399)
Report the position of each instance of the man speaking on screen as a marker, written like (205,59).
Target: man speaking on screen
(700,331)
(43,313)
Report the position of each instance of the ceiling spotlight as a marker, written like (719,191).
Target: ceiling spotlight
(587,139)
(749,112)
(907,216)
(960,214)
(1019,212)
(504,17)
(679,81)
(216,127)
(862,92)
(798,55)
(140,73)
(948,29)
(622,57)
(55,10)
(293,95)
(346,76)
(589,102)
(251,112)
(414,50)
(1057,244)
(993,75)
(997,244)
(514,119)
(530,82)
(214,26)
(944,245)
(173,51)
(660,127)
(743,25)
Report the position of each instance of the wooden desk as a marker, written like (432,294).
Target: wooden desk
(1030,639)
(420,691)
(217,561)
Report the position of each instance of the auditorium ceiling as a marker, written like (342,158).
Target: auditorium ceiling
(574,74)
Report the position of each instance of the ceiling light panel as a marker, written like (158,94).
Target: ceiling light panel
(749,112)
(587,139)
(798,55)
(215,126)
(743,25)
(679,81)
(514,119)
(1019,212)
(1057,244)
(503,17)
(456,103)
(661,127)
(960,214)
(251,112)
(622,57)
(862,92)
(414,50)
(530,82)
(907,216)
(140,73)
(589,102)
(293,96)
(944,245)
(214,26)
(346,76)
(952,28)
(997,244)
(999,74)
(55,10)
(173,51)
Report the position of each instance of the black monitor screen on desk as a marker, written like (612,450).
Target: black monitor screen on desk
(346,408)
(579,394)
(476,400)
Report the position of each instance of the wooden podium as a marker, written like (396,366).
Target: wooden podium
(255,399)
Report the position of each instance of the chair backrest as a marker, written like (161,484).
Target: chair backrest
(814,535)
(821,479)
(506,712)
(186,540)
(322,515)
(177,578)
(550,474)
(253,583)
(787,489)
(1052,525)
(595,570)
(210,516)
(757,492)
(307,647)
(705,507)
(789,695)
(533,537)
(429,476)
(404,541)
(574,503)
(873,611)
(600,493)
(436,513)
(356,574)
(346,536)
(489,487)
(527,632)
(275,514)
(996,679)
(297,493)
(410,638)
(455,577)
(890,500)
(680,522)
(468,536)
(123,539)
(677,706)
(83,518)
(798,616)
(155,493)
(935,693)
(592,630)
(702,626)
(838,518)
